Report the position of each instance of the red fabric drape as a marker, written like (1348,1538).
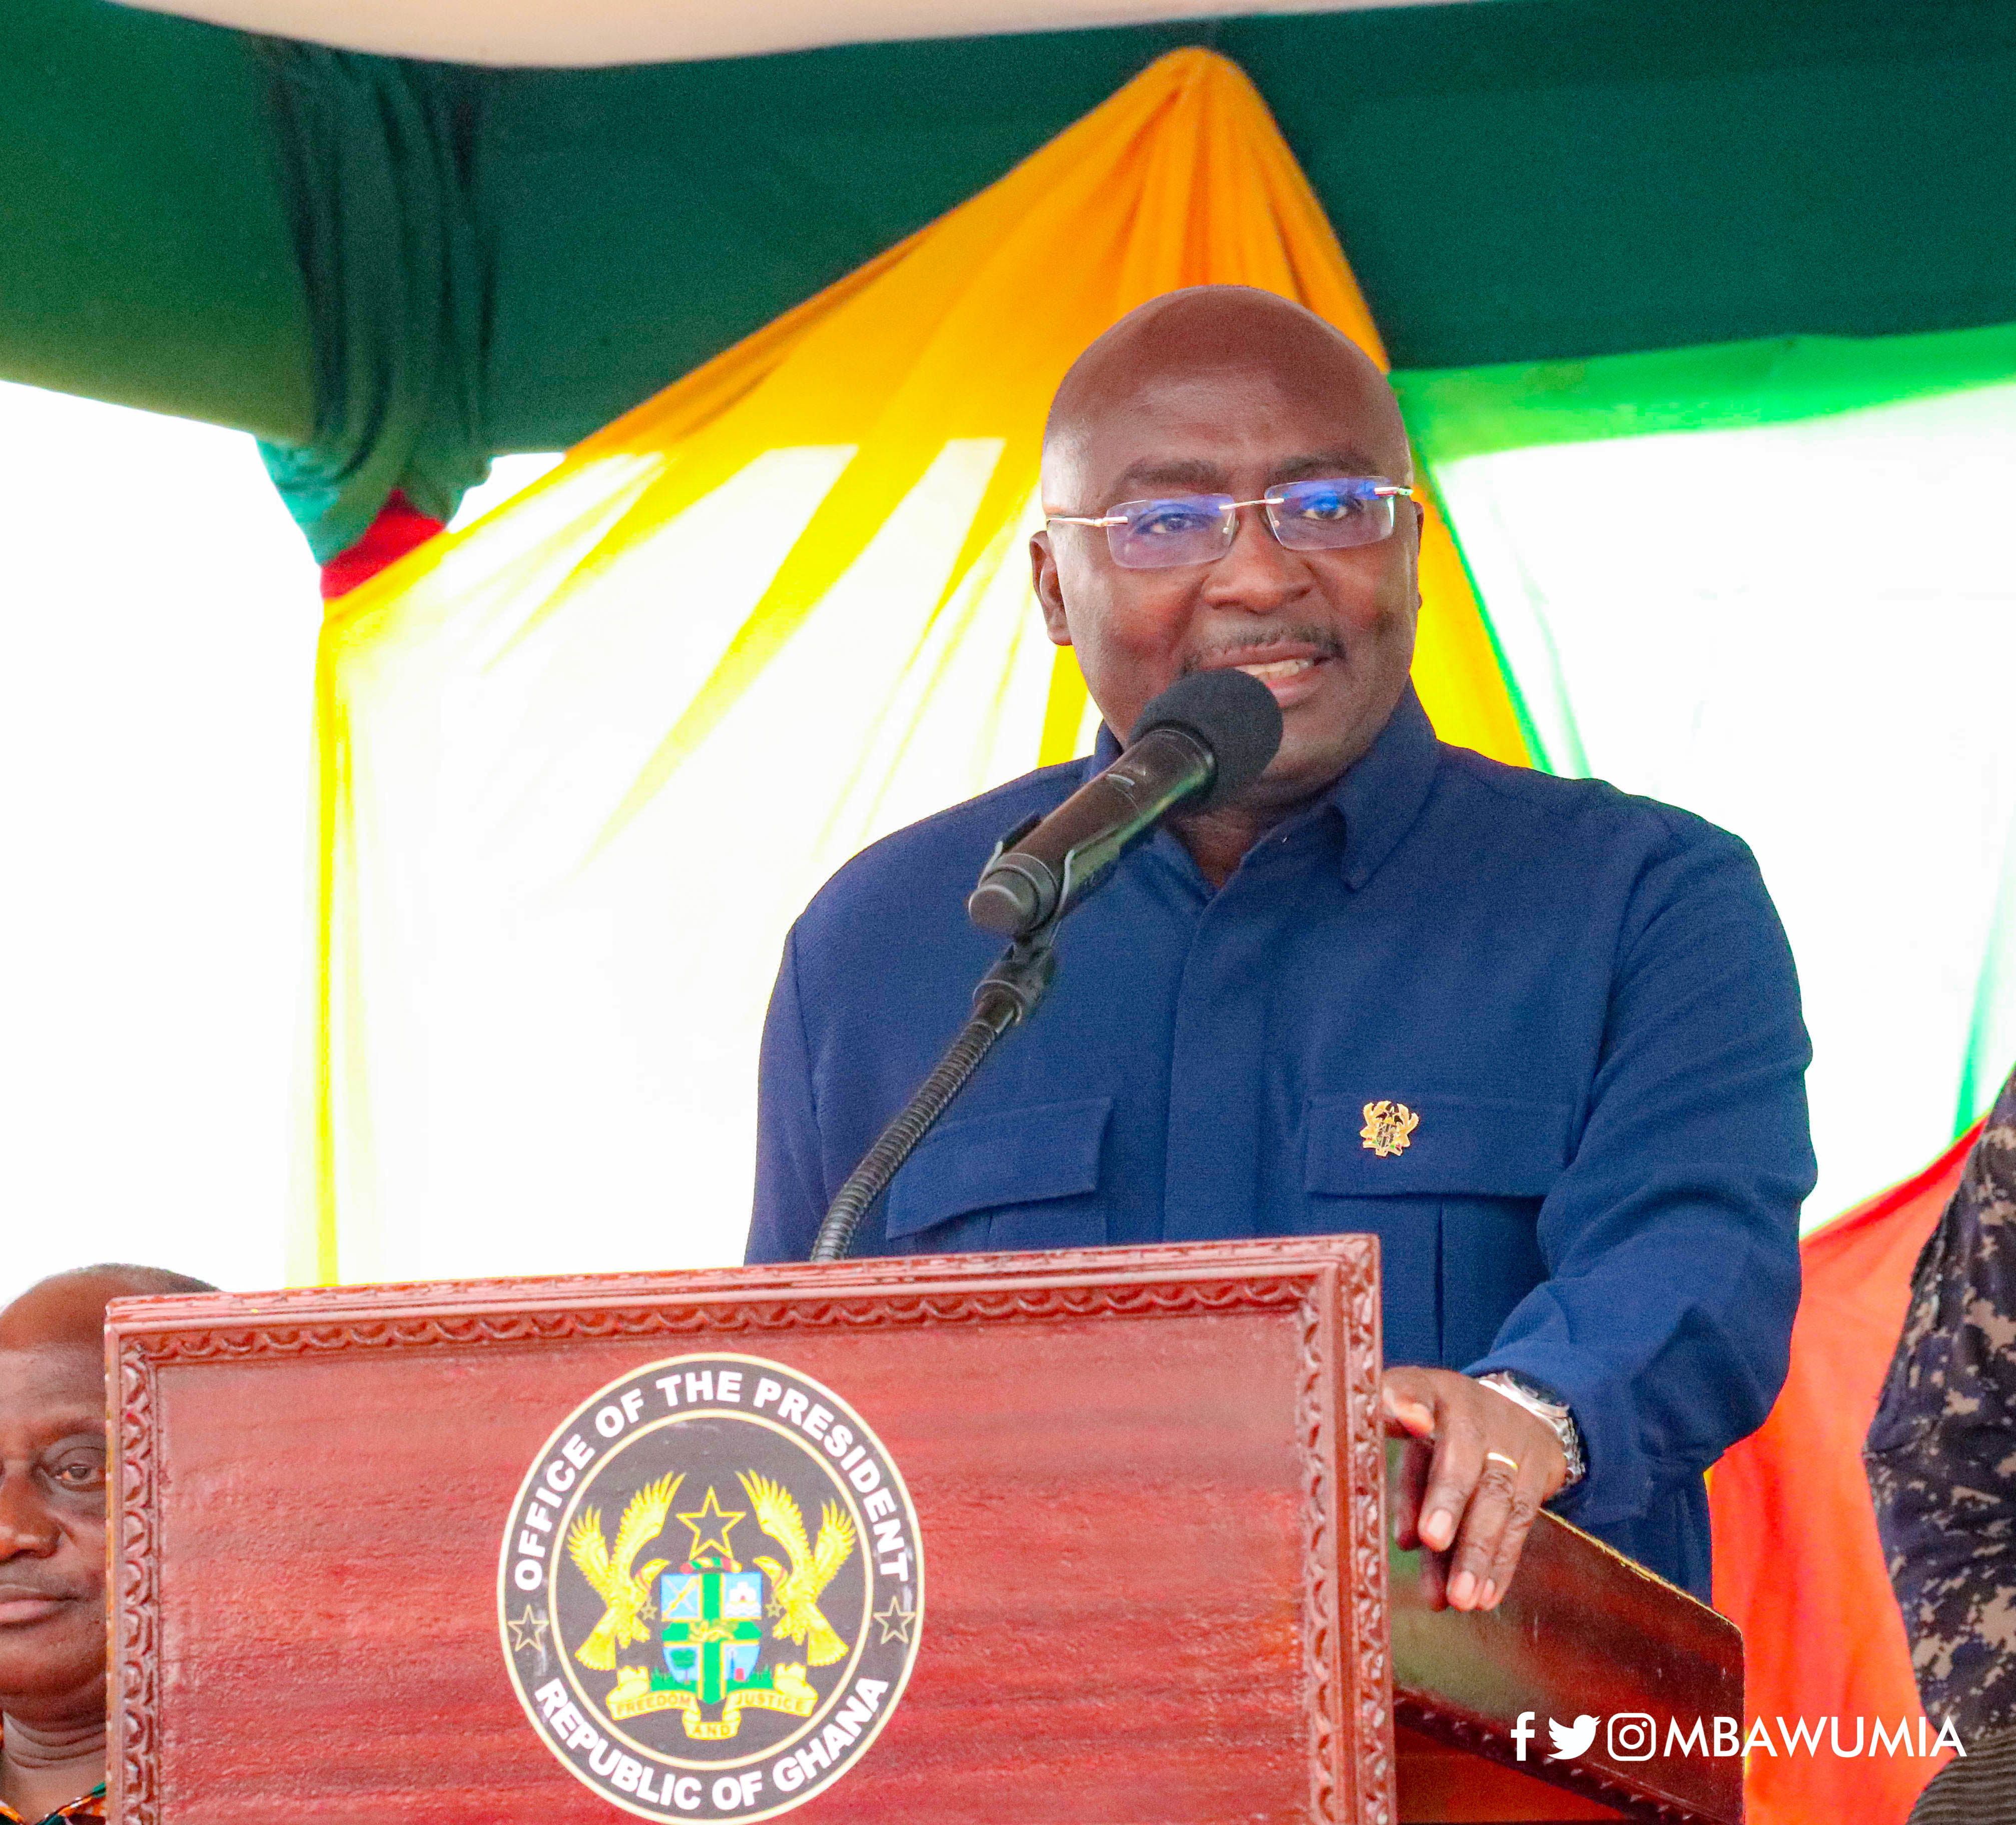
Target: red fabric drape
(1798,1564)
(400,526)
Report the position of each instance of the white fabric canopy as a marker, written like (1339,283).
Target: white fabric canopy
(535,32)
(1805,633)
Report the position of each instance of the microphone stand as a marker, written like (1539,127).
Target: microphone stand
(1007,996)
(1210,732)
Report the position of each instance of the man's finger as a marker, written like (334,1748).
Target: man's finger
(1459,1461)
(1491,1504)
(1414,1485)
(1529,1492)
(1406,1415)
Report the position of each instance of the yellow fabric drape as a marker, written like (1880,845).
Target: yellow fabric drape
(582,764)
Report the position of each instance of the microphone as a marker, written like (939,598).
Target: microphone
(1206,737)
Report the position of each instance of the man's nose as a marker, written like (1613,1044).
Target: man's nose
(1258,574)
(27,1529)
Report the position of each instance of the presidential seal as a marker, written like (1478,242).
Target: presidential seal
(711,1589)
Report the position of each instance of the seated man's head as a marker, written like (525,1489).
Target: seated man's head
(52,1519)
(1228,391)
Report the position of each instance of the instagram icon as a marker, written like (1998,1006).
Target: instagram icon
(1633,1735)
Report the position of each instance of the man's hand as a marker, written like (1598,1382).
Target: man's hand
(1478,1468)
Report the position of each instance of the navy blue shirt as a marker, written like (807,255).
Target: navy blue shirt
(1586,1000)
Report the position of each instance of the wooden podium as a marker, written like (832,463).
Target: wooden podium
(1152,1578)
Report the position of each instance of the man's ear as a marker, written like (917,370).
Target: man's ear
(1043,573)
(1421,532)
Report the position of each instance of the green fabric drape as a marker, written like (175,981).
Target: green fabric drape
(144,256)
(1475,411)
(1529,180)
(1525,180)
(376,154)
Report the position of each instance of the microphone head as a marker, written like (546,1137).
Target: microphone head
(1232,713)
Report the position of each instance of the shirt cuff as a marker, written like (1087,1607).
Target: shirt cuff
(1618,1481)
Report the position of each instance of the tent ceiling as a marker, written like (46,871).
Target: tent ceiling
(1522,181)
(597,32)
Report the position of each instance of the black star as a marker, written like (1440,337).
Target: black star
(896,1621)
(533,1623)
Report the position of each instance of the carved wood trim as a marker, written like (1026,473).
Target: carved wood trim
(961,1276)
(1010,1305)
(1364,1447)
(134,1666)
(1315,1429)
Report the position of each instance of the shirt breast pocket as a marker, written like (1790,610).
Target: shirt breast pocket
(1016,1179)
(1452,1185)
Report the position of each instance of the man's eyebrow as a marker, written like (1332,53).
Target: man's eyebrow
(1205,477)
(1184,472)
(62,1426)
(1335,462)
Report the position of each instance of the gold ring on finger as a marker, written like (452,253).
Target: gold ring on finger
(1511,1463)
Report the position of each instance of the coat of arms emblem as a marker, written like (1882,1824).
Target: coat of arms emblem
(1389,1128)
(738,1642)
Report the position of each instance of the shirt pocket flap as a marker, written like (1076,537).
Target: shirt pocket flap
(1450,1147)
(1021,1156)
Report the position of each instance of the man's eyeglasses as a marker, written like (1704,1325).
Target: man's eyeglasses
(1329,514)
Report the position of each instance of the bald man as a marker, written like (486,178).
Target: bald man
(1541,1038)
(52,1514)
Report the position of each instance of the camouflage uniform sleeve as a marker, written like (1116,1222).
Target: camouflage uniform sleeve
(1942,1452)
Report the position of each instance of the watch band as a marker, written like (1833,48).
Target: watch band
(1542,1403)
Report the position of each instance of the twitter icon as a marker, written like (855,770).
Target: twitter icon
(1572,1739)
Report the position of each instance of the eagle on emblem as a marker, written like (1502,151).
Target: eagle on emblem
(1388,1128)
(624,1589)
(812,1568)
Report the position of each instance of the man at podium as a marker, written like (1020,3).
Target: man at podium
(1541,1039)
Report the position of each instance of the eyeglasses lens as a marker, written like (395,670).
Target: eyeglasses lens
(1153,535)
(1331,515)
(1326,515)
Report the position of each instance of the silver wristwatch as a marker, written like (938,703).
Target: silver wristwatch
(1541,1403)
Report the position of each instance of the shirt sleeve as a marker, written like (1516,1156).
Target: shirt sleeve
(790,1187)
(1670,1241)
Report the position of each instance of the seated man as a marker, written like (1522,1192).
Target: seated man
(52,1459)
(1543,1039)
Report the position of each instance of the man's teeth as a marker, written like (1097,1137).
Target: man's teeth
(1276,668)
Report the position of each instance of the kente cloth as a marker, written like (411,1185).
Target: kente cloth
(1541,1038)
(91,1806)
(1941,1450)
(1978,1788)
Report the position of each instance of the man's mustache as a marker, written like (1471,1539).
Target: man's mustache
(15,1587)
(1321,640)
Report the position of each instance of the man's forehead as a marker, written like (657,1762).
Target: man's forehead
(51,1390)
(1163,424)
(70,1308)
(1202,454)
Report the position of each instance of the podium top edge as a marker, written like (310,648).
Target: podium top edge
(1255,1258)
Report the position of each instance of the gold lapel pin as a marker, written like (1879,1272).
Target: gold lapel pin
(1389,1128)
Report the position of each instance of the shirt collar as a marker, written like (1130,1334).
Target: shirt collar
(1378,798)
(1381,796)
